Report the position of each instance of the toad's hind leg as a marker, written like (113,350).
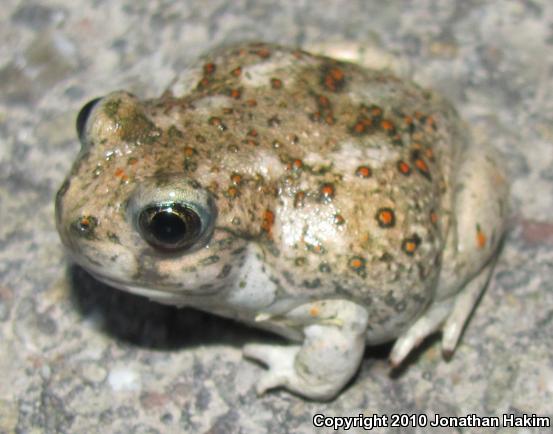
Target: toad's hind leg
(462,308)
(334,341)
(449,315)
(470,252)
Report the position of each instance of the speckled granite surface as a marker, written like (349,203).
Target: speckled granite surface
(77,356)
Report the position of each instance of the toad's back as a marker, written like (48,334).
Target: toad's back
(341,173)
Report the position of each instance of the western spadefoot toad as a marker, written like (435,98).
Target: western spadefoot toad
(336,205)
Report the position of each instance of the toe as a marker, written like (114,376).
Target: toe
(271,380)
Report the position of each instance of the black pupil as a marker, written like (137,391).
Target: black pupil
(168,227)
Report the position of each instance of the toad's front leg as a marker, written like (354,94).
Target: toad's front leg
(334,341)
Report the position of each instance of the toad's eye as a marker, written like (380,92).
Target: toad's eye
(82,117)
(169,227)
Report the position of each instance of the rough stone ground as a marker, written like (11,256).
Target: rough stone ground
(78,357)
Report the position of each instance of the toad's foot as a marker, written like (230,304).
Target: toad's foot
(280,361)
(329,357)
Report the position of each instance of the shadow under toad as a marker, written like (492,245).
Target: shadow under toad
(144,323)
(139,321)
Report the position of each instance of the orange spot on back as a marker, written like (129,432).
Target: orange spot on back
(316,116)
(324,101)
(334,79)
(329,82)
(336,74)
(299,199)
(481,238)
(410,246)
(236,178)
(250,142)
(217,122)
(276,83)
(359,127)
(385,217)
(232,192)
(363,172)
(376,111)
(268,221)
(317,248)
(235,93)
(430,122)
(339,219)
(403,167)
(209,68)
(357,263)
(263,52)
(386,125)
(314,311)
(327,190)
(421,165)
(362,125)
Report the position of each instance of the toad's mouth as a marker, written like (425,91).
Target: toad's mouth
(154,287)
(173,296)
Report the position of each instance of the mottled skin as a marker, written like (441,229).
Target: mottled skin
(339,206)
